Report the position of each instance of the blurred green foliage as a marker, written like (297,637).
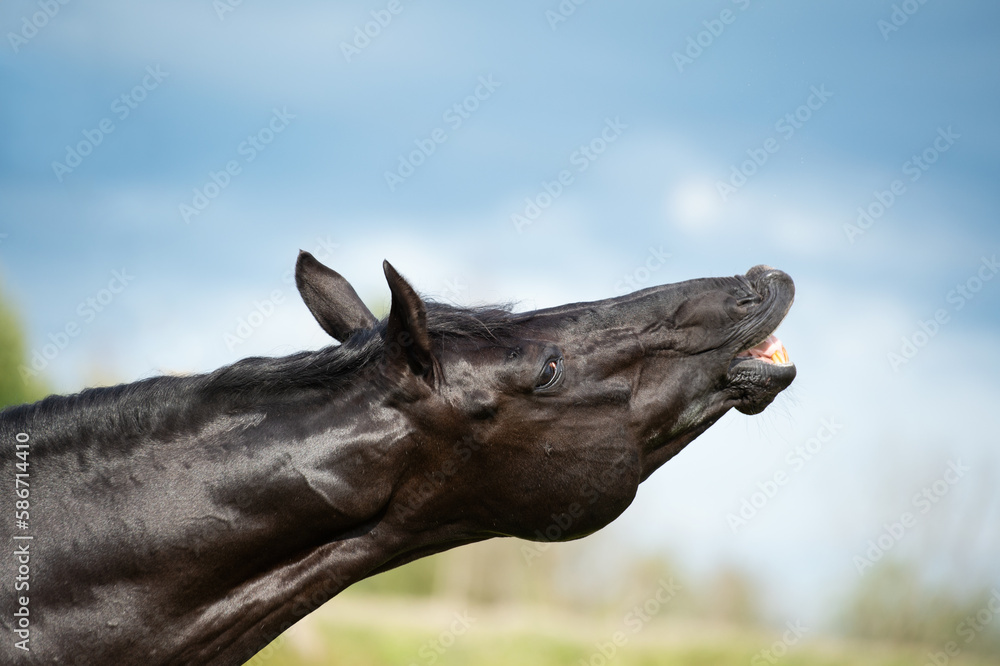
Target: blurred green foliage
(496,572)
(490,572)
(415,579)
(14,390)
(892,602)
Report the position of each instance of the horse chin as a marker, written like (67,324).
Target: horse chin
(756,382)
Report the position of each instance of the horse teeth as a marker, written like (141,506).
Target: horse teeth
(780,355)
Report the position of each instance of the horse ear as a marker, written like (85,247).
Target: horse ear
(406,337)
(330,298)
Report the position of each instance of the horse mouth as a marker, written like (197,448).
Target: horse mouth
(762,370)
(771,350)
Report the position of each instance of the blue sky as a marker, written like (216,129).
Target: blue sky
(878,98)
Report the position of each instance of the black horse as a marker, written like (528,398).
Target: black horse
(182,520)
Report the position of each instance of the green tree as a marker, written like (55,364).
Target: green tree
(14,390)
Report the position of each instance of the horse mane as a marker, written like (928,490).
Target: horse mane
(332,366)
(139,406)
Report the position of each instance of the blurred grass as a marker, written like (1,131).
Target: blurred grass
(355,632)
(889,618)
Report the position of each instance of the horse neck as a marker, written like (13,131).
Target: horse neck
(207,482)
(279,475)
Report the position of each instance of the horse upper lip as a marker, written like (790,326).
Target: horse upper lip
(777,290)
(756,339)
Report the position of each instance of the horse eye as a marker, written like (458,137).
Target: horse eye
(550,374)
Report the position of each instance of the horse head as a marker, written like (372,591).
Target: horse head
(542,424)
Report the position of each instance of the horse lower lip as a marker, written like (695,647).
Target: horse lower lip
(763,364)
(757,381)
